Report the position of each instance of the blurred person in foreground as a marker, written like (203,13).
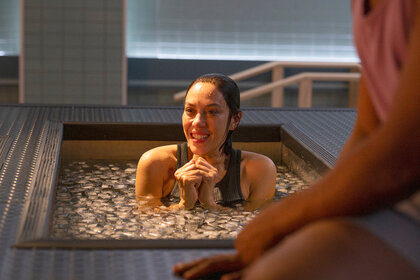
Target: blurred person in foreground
(362,219)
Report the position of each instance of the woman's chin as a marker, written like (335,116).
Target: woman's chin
(201,148)
(197,150)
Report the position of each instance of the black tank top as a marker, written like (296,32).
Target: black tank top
(229,188)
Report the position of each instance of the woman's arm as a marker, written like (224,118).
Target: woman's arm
(378,170)
(149,176)
(154,170)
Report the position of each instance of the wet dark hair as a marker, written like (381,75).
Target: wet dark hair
(230,92)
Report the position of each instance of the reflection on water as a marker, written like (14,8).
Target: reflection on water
(96,200)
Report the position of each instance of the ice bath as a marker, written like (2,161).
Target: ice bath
(91,201)
(95,199)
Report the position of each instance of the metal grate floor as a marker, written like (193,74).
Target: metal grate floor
(30,138)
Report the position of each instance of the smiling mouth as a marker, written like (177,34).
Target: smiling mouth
(199,136)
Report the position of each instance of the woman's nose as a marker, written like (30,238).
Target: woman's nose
(199,120)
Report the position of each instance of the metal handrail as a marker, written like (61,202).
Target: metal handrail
(298,64)
(305,96)
(9,82)
(270,66)
(277,67)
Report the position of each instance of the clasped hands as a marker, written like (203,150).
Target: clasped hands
(196,182)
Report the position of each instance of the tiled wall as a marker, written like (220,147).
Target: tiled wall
(73,52)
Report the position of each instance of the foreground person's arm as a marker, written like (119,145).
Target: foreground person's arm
(376,171)
(366,122)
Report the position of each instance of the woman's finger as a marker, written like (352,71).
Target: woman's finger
(204,165)
(186,176)
(208,172)
(188,166)
(188,179)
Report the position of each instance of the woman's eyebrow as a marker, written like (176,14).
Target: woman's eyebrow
(208,105)
(213,104)
(187,104)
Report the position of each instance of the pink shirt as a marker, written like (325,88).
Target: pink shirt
(381,38)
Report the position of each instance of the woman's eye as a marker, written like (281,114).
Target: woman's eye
(212,112)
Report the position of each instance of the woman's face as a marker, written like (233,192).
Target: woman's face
(205,119)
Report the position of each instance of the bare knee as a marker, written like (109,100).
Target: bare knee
(306,253)
(335,232)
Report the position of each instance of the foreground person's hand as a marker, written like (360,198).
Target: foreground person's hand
(229,265)
(189,180)
(259,235)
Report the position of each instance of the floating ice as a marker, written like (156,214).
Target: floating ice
(96,200)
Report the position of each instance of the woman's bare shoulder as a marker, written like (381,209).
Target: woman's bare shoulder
(155,167)
(255,158)
(256,164)
(260,173)
(161,155)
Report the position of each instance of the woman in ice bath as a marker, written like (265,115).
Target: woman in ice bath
(194,169)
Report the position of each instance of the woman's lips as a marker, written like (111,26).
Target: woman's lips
(199,137)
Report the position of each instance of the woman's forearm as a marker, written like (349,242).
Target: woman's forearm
(188,196)
(206,196)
